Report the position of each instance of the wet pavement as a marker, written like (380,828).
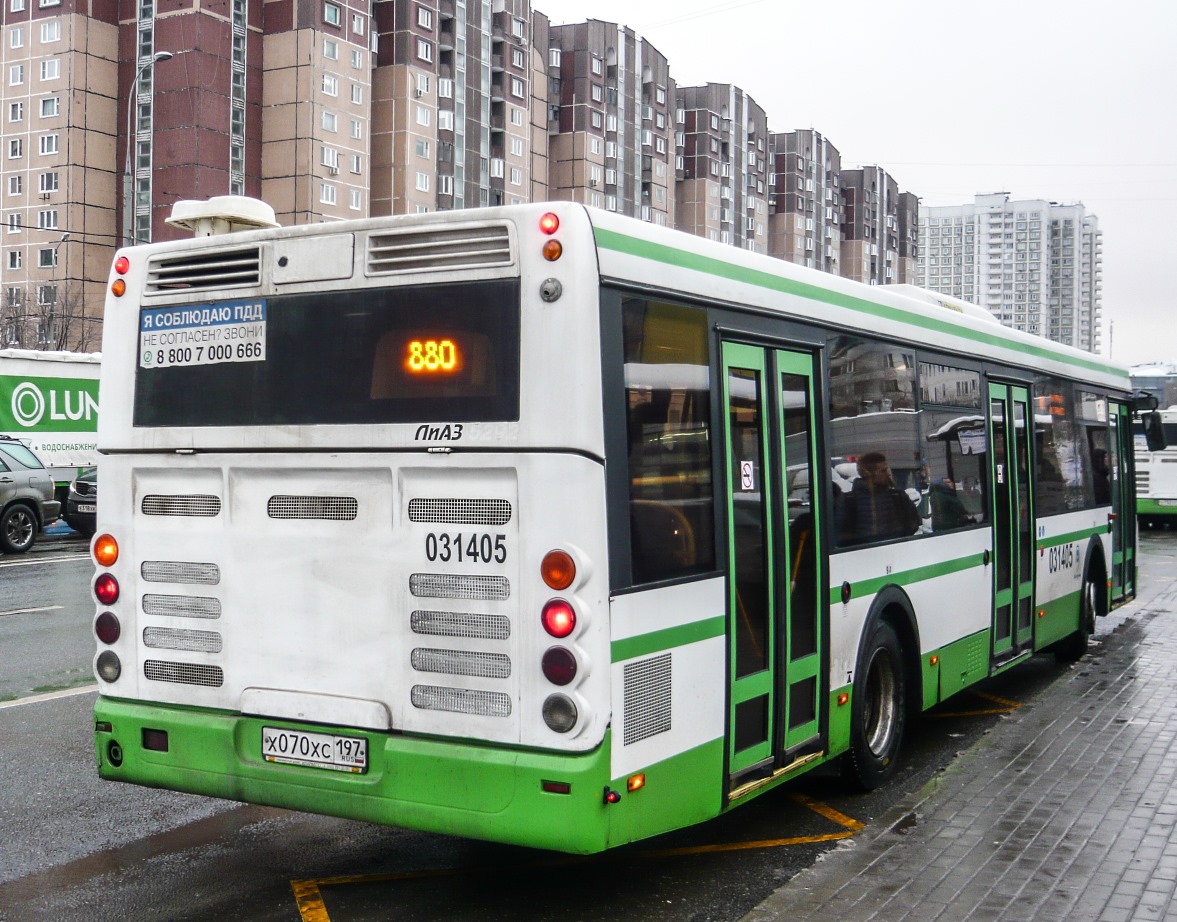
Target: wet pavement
(1066,810)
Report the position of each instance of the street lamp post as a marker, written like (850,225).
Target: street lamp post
(128,177)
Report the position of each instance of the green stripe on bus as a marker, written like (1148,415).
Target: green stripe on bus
(670,256)
(1079,535)
(657,641)
(1154,507)
(908,577)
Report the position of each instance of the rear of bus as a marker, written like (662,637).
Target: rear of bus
(1156,474)
(352,546)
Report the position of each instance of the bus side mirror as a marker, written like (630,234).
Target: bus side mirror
(1154,432)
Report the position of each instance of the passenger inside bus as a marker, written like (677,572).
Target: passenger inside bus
(875,509)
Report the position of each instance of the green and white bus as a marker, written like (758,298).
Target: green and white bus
(1156,474)
(548,526)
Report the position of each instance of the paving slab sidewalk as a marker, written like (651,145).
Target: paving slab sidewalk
(1066,810)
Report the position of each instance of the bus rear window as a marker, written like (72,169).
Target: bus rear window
(391,355)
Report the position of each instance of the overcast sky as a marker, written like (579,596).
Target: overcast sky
(1064,100)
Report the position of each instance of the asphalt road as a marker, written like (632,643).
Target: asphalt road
(78,848)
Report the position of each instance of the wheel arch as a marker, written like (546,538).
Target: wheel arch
(1095,568)
(892,605)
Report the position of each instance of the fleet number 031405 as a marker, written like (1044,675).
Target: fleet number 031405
(466,548)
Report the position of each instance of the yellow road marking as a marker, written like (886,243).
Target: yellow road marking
(308,893)
(1007,707)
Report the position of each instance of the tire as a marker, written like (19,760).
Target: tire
(1071,649)
(878,711)
(18,529)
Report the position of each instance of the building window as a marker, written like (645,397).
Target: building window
(14,222)
(47,219)
(51,69)
(16,111)
(424,50)
(518,28)
(330,157)
(423,84)
(355,200)
(356,164)
(445,120)
(47,257)
(424,18)
(16,5)
(445,185)
(50,31)
(516,176)
(357,129)
(518,59)
(516,116)
(14,297)
(16,75)
(330,85)
(517,146)
(445,88)
(422,182)
(14,259)
(16,38)
(326,193)
(330,49)
(357,23)
(423,149)
(14,184)
(330,121)
(15,148)
(518,88)
(597,68)
(597,93)
(423,117)
(357,58)
(50,106)
(357,94)
(554,57)
(48,182)
(332,14)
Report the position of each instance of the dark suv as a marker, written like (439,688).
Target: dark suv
(81,507)
(26,496)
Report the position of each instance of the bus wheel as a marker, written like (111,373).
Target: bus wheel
(18,529)
(877,711)
(1071,649)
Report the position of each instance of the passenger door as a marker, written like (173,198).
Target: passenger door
(1123,518)
(775,555)
(1010,430)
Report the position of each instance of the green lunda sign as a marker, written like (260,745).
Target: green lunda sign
(48,404)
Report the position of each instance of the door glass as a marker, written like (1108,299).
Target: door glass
(749,522)
(1002,550)
(799,497)
(1025,520)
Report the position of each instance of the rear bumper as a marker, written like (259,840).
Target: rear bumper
(443,786)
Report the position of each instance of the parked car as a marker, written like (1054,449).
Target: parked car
(26,496)
(81,507)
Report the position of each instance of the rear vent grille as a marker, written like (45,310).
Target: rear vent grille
(184,673)
(192,505)
(445,586)
(171,571)
(204,271)
(647,696)
(442,249)
(461,701)
(461,662)
(460,511)
(334,508)
(181,606)
(170,638)
(460,624)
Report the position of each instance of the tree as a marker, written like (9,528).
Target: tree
(48,317)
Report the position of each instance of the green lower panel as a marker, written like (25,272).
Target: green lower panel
(963,663)
(450,787)
(1154,507)
(1059,619)
(839,740)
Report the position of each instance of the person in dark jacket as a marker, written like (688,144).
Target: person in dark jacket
(875,509)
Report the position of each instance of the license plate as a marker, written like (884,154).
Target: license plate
(87,507)
(318,750)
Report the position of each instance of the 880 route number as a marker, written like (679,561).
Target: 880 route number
(460,548)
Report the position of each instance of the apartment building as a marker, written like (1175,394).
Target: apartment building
(722,190)
(58,118)
(805,201)
(870,226)
(1035,264)
(610,121)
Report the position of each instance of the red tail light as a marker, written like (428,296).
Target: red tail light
(107,627)
(559,618)
(559,666)
(106,588)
